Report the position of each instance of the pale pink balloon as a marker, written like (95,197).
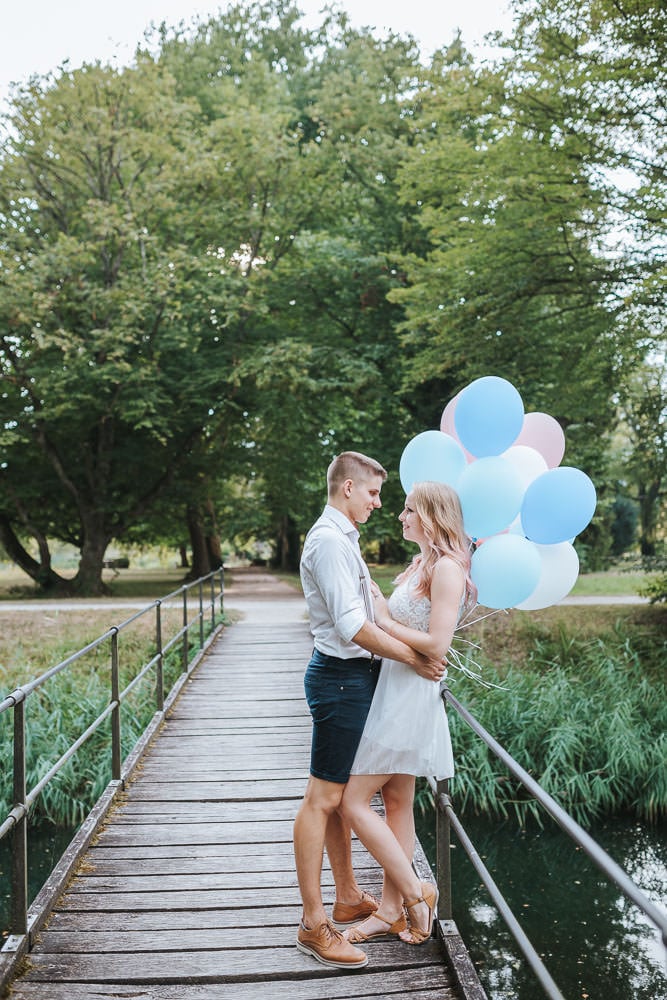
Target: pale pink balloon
(447,425)
(543,433)
(447,419)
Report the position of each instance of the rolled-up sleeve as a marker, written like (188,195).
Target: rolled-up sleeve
(337,579)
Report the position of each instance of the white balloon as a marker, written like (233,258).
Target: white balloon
(527,461)
(558,575)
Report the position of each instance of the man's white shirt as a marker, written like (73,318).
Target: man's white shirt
(336,584)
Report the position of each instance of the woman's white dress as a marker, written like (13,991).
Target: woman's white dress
(406,731)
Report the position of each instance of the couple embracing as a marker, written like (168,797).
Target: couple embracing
(372,686)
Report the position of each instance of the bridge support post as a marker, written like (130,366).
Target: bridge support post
(19,908)
(443,854)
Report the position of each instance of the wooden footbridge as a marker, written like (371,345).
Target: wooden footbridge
(188,890)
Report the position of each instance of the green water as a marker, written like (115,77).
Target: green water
(594,942)
(45,848)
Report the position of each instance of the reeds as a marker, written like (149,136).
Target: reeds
(586,718)
(61,710)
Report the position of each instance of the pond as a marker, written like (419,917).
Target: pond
(45,848)
(594,942)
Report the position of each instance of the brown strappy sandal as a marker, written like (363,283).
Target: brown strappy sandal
(430,897)
(356,936)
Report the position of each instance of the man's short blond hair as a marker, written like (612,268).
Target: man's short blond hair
(352,465)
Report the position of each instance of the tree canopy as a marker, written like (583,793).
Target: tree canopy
(259,245)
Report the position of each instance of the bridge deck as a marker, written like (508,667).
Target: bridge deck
(189,890)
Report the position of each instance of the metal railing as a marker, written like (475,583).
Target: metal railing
(16,821)
(446,819)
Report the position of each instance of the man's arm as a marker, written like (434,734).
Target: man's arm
(371,637)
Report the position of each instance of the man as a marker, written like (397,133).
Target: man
(339,684)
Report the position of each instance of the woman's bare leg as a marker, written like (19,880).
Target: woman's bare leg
(393,852)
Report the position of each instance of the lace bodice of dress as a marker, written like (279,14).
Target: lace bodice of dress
(407,608)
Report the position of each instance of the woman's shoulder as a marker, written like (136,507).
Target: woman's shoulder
(448,573)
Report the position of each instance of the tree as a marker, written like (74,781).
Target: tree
(111,312)
(644,408)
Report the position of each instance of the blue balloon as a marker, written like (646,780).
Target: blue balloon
(432,456)
(506,570)
(490,491)
(489,416)
(557,505)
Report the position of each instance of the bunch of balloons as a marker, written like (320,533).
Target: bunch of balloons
(520,506)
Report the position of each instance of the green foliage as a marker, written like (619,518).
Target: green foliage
(656,588)
(261,244)
(586,718)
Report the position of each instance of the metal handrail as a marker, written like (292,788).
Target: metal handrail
(16,820)
(609,867)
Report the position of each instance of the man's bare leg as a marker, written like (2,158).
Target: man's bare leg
(320,803)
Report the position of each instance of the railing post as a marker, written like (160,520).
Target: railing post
(159,667)
(115,714)
(443,858)
(185,629)
(201,614)
(222,589)
(19,908)
(212,585)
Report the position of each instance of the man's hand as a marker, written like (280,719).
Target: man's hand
(432,670)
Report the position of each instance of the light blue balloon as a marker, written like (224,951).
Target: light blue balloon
(506,570)
(433,456)
(488,416)
(490,491)
(557,505)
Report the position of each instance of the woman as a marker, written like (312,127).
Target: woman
(406,733)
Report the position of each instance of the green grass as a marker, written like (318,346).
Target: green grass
(611,583)
(125,584)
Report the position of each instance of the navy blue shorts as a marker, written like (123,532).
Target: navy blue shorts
(339,694)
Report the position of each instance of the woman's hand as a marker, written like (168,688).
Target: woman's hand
(380,607)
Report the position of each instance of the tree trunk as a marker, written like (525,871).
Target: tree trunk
(289,545)
(649,494)
(201,564)
(183,554)
(39,571)
(88,579)
(213,538)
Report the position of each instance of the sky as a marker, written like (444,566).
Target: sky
(39,35)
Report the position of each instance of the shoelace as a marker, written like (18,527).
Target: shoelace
(332,933)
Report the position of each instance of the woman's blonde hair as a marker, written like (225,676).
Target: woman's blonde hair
(439,510)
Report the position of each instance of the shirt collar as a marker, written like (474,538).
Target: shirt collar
(341,521)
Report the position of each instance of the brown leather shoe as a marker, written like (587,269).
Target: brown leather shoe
(351,913)
(329,947)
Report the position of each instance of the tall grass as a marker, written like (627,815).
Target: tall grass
(59,711)
(587,718)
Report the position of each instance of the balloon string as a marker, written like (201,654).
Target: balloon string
(474,621)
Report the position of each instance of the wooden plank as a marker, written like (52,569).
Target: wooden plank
(203,965)
(148,849)
(241,790)
(204,833)
(430,983)
(148,810)
(250,864)
(118,921)
(193,899)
